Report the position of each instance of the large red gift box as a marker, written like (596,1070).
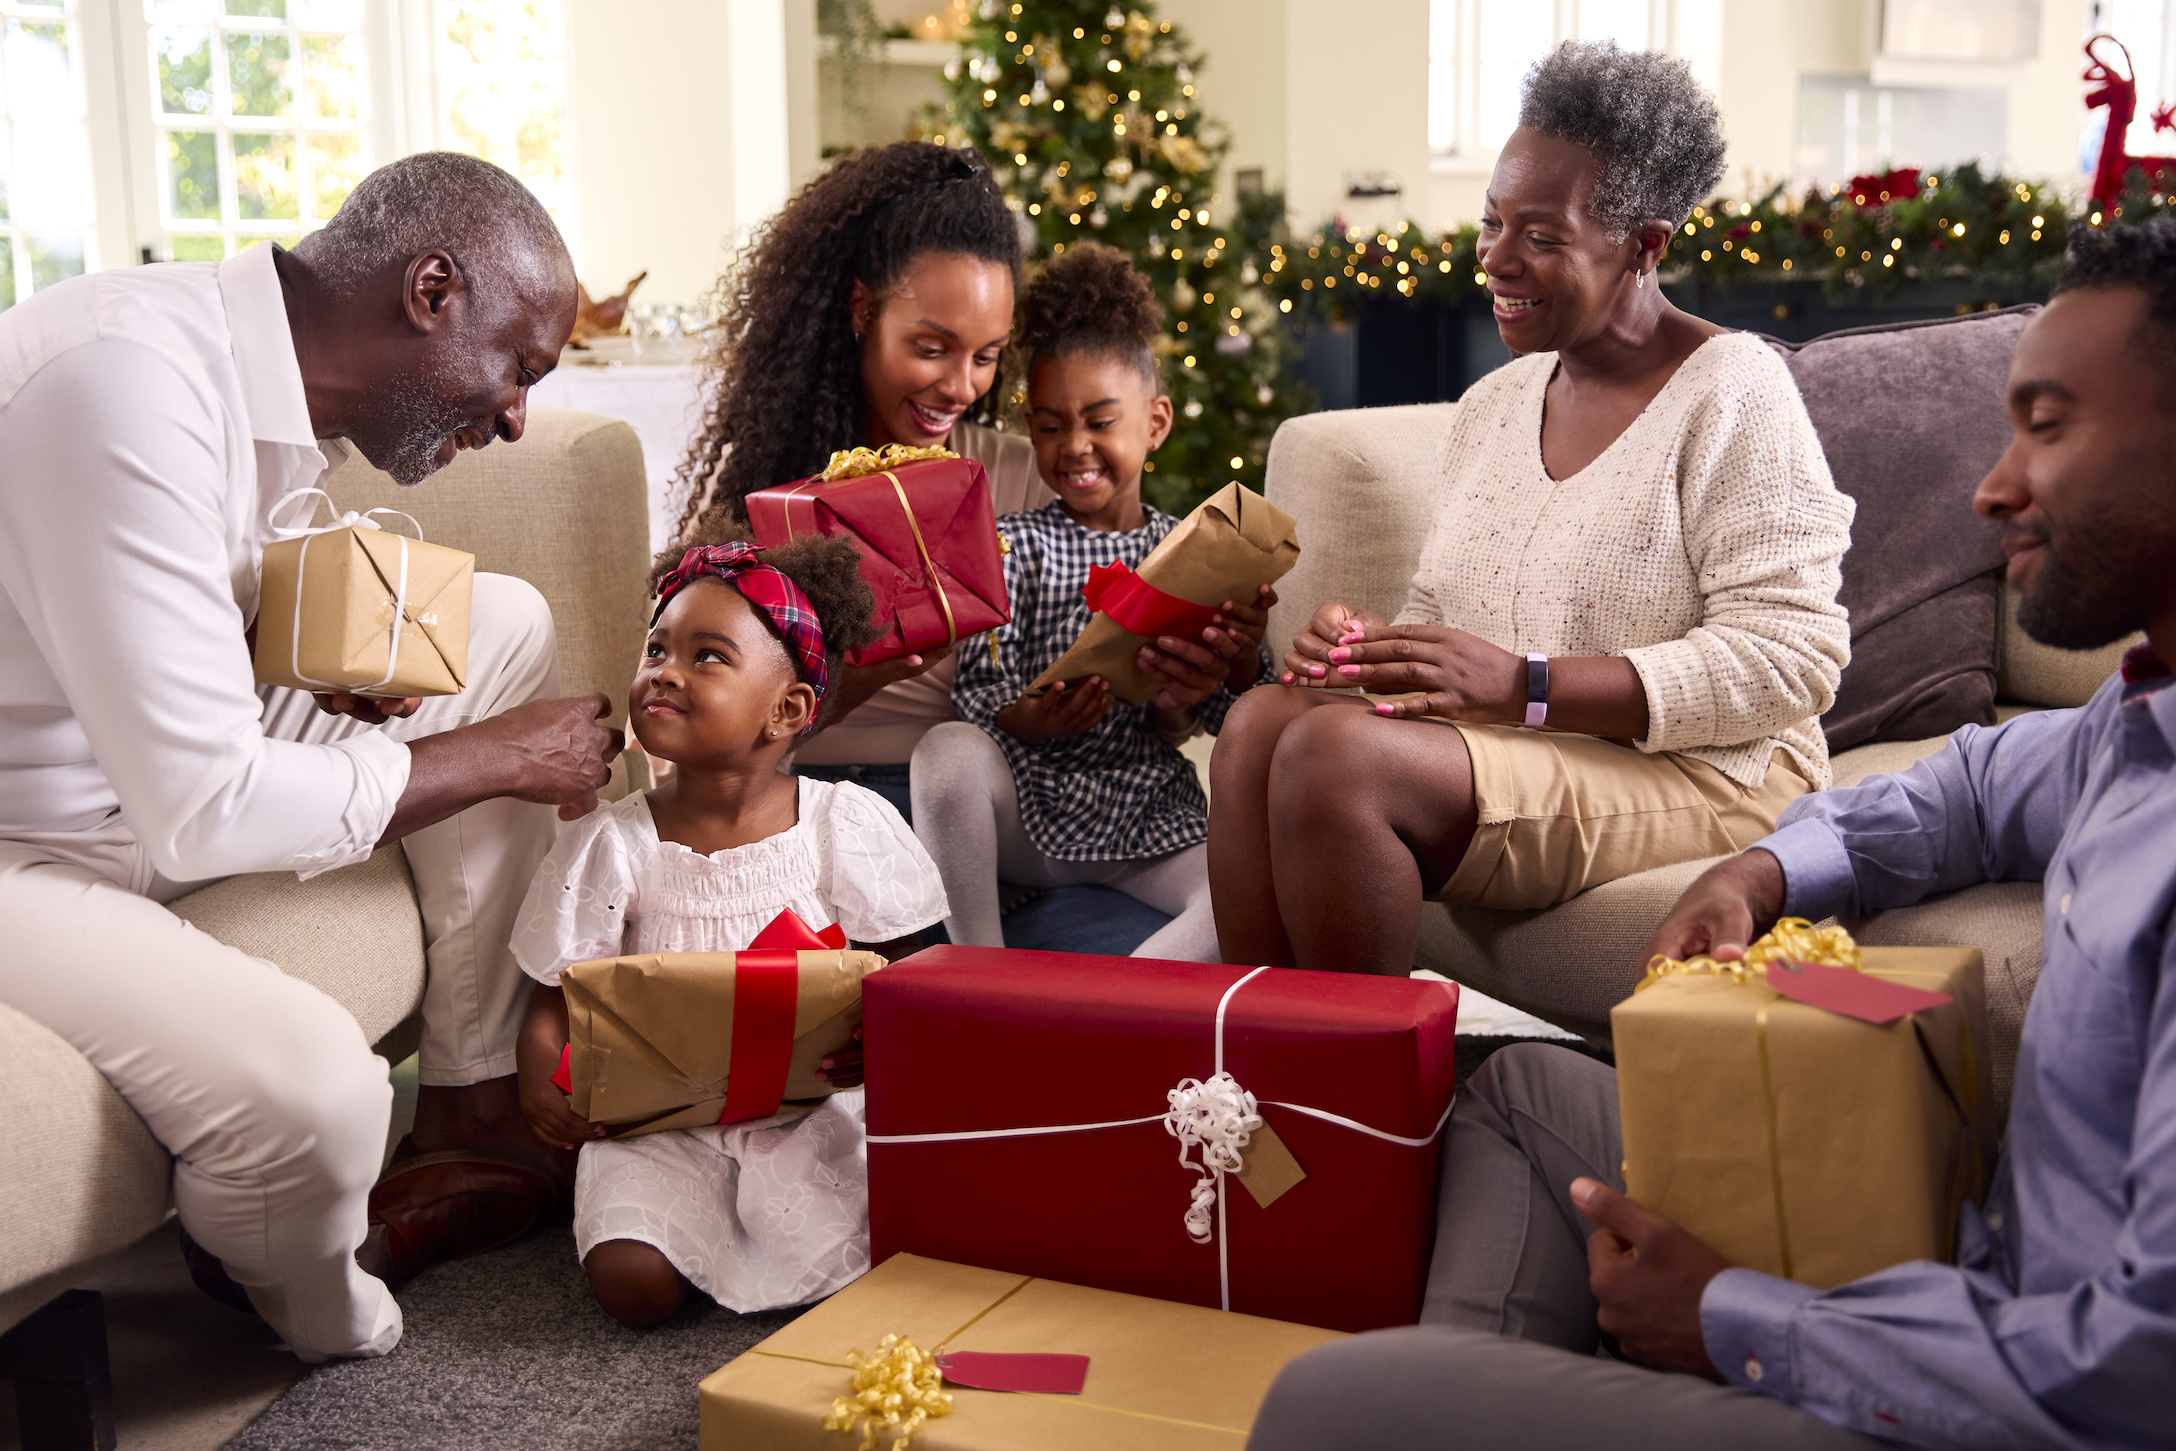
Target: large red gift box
(1021,1115)
(930,550)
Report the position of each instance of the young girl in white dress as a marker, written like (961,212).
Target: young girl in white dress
(774,1211)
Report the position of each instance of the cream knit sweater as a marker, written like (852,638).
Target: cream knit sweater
(1705,545)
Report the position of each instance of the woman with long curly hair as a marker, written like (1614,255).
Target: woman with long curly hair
(873,309)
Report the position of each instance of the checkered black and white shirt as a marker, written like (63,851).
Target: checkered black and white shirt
(1117,792)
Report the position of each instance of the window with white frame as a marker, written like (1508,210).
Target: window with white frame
(47,209)
(190,129)
(1480,50)
(2147,29)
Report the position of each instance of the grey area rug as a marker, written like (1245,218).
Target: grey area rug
(508,1349)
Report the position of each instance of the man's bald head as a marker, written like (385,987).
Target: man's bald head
(497,231)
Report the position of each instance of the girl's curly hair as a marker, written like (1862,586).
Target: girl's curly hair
(1090,299)
(825,566)
(782,385)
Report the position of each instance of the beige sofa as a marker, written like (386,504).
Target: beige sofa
(1361,484)
(566,509)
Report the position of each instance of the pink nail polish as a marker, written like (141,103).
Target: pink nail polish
(1348,671)
(1288,677)
(1341,653)
(1385,710)
(1317,671)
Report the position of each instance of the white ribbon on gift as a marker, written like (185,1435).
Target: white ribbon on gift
(1215,1115)
(348,520)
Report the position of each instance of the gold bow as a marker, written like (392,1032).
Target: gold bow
(854,463)
(895,1390)
(1793,938)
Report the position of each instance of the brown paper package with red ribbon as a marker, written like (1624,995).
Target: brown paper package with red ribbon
(1234,543)
(927,533)
(678,1040)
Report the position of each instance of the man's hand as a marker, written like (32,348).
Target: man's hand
(1729,905)
(1069,708)
(1460,676)
(560,752)
(1648,1276)
(1307,662)
(856,683)
(369,709)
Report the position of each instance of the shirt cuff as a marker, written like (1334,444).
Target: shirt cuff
(1817,879)
(381,776)
(1745,1318)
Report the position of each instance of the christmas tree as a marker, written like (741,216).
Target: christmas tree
(1089,115)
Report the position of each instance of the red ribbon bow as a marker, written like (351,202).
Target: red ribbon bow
(1136,605)
(766,989)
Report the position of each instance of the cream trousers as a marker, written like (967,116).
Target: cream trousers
(262,1087)
(967,814)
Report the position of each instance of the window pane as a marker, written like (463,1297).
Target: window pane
(41,79)
(7,273)
(264,178)
(199,249)
(328,14)
(51,186)
(184,9)
(1624,21)
(336,164)
(1514,34)
(54,259)
(334,79)
(192,175)
(5,150)
(257,70)
(185,72)
(274,9)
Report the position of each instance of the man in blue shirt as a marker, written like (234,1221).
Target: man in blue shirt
(2056,1326)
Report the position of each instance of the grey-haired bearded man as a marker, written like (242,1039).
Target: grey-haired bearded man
(151,420)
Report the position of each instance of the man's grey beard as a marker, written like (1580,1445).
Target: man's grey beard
(420,425)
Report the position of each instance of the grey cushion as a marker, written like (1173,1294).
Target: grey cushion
(1911,418)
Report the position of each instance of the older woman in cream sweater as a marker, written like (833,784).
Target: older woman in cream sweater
(1623,628)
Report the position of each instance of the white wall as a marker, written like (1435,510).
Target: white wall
(691,120)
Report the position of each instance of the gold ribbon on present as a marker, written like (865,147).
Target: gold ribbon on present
(854,463)
(921,546)
(895,1390)
(1793,939)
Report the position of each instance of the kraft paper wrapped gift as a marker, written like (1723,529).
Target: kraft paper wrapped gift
(1799,1141)
(679,1040)
(1083,1119)
(926,529)
(1230,546)
(355,609)
(1161,1377)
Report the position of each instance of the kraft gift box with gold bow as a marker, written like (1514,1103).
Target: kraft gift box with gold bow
(1160,1376)
(1799,1141)
(356,609)
(1252,1139)
(926,529)
(1233,543)
(677,1040)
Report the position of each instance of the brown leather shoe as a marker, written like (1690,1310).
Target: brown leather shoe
(452,1204)
(211,1277)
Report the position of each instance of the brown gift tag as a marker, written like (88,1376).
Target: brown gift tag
(1235,542)
(1268,1168)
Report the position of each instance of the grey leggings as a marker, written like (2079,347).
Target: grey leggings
(967,814)
(1505,1354)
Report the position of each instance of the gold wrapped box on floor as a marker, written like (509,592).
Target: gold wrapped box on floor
(1799,1140)
(1160,1377)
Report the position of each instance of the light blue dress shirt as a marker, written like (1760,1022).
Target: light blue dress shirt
(2057,1325)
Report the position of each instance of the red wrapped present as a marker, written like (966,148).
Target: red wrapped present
(1251,1139)
(927,533)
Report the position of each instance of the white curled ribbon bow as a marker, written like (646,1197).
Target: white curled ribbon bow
(1215,1117)
(348,520)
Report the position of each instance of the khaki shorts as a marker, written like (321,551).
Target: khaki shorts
(1560,813)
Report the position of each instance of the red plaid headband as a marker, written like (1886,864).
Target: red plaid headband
(763,586)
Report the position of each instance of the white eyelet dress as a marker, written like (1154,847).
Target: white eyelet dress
(774,1211)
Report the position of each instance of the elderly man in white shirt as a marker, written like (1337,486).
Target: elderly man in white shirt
(150,419)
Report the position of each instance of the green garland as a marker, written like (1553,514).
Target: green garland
(2001,236)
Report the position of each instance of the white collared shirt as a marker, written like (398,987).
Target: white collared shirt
(149,419)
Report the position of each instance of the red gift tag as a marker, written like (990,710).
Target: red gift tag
(983,1370)
(1858,995)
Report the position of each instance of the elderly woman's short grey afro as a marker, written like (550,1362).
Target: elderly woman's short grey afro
(1653,127)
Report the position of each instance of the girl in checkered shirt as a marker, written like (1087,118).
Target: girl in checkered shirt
(1074,786)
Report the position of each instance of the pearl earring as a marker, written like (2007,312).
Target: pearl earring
(1639,279)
